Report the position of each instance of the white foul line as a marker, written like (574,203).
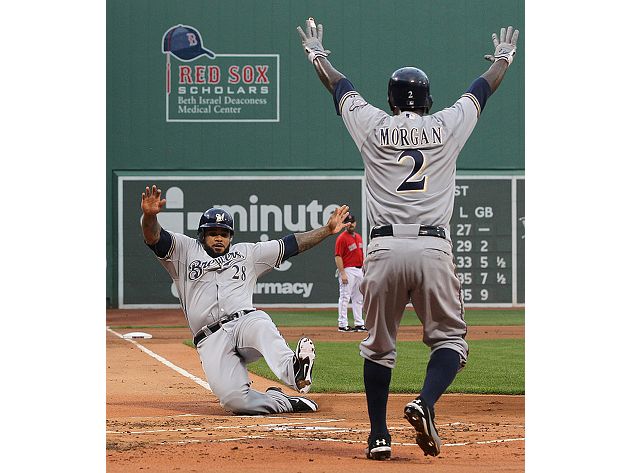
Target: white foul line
(314,439)
(484,442)
(181,371)
(284,426)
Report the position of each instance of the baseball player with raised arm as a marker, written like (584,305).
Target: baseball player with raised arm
(410,163)
(215,280)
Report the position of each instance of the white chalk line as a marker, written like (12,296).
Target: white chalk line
(235,439)
(156,431)
(163,417)
(311,439)
(404,444)
(299,426)
(283,426)
(164,361)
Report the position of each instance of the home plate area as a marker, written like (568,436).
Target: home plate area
(139,432)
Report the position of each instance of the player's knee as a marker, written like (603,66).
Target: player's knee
(236,402)
(458,346)
(385,357)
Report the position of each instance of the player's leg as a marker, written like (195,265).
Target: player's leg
(438,304)
(357,299)
(436,299)
(227,376)
(256,335)
(385,298)
(342,307)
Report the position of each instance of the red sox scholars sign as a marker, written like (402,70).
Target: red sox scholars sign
(203,86)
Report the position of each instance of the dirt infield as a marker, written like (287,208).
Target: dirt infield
(161,418)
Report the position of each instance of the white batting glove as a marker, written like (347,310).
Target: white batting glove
(312,40)
(505,45)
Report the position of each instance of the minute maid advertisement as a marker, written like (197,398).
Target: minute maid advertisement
(207,86)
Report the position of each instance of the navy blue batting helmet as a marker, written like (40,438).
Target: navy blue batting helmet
(215,218)
(408,89)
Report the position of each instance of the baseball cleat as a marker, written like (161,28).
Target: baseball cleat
(345,329)
(379,447)
(360,328)
(298,403)
(305,354)
(419,416)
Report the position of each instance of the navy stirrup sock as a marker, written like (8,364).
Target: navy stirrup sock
(376,379)
(441,371)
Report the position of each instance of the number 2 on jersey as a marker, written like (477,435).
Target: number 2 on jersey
(417,185)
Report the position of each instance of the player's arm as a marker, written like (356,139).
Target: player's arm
(341,269)
(158,239)
(485,85)
(308,240)
(311,38)
(296,243)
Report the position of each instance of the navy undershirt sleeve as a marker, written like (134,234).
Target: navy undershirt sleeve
(343,86)
(481,90)
(290,246)
(163,245)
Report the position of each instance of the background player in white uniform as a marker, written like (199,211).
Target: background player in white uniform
(410,168)
(215,280)
(349,262)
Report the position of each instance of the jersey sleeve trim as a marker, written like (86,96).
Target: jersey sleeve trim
(288,247)
(478,93)
(164,247)
(343,91)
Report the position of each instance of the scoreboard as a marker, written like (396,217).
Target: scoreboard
(488,234)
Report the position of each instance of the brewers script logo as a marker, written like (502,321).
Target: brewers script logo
(203,86)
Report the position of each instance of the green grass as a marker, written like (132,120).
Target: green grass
(328,318)
(494,367)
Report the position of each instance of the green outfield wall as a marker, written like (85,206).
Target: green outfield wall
(253,106)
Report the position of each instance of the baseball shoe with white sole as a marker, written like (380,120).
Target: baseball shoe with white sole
(379,447)
(419,416)
(305,356)
(298,403)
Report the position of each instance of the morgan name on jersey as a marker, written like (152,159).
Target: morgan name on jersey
(410,138)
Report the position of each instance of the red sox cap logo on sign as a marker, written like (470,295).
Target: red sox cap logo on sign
(185,43)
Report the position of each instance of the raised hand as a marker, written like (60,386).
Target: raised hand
(335,222)
(152,201)
(312,40)
(504,45)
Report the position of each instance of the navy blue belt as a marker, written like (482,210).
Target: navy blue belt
(210,329)
(424,230)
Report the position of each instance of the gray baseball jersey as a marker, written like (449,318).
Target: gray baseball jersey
(410,164)
(211,288)
(409,159)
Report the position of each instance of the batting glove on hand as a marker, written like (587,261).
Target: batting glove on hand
(505,45)
(312,40)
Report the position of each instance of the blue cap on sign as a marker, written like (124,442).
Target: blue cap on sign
(185,43)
